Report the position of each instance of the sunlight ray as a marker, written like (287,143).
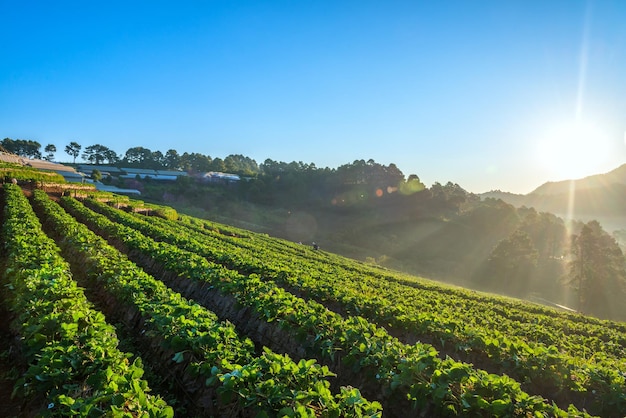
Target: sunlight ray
(583,62)
(571,200)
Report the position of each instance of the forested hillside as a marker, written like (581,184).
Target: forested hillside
(374,213)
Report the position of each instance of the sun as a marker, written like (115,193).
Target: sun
(574,150)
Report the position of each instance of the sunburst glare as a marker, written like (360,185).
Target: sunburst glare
(574,150)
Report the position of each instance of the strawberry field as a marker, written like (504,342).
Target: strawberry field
(218,321)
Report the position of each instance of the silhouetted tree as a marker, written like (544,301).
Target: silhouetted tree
(597,272)
(22,147)
(171,160)
(50,149)
(73,149)
(447,200)
(511,264)
(139,157)
(97,154)
(111,157)
(546,230)
(196,162)
(158,160)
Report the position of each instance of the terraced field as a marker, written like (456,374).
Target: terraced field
(226,322)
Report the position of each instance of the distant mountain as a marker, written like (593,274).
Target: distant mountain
(600,196)
(597,181)
(514,199)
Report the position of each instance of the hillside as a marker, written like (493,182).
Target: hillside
(416,347)
(597,181)
(442,232)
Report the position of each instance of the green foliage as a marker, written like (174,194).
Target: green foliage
(50,149)
(73,150)
(97,154)
(511,264)
(212,349)
(96,175)
(354,185)
(22,147)
(364,348)
(22,173)
(527,348)
(598,272)
(242,165)
(72,352)
(140,157)
(166,213)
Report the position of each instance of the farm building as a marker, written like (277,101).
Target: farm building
(218,177)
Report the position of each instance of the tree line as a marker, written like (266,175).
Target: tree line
(287,177)
(136,157)
(586,259)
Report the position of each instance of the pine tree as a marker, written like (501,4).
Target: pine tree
(597,271)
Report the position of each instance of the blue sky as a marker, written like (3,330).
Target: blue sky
(488,94)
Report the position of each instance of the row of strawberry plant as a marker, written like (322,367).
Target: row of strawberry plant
(286,249)
(270,383)
(289,248)
(74,362)
(561,321)
(567,323)
(557,325)
(576,362)
(416,372)
(602,338)
(530,362)
(601,341)
(605,330)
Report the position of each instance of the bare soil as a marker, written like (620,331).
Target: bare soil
(10,366)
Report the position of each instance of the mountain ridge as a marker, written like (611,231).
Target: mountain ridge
(615,176)
(598,196)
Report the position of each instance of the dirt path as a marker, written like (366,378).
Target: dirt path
(8,407)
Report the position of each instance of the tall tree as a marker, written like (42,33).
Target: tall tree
(511,264)
(111,156)
(10,145)
(97,154)
(139,157)
(218,165)
(73,149)
(50,149)
(158,160)
(32,149)
(195,162)
(448,199)
(171,160)
(598,272)
(239,164)
(546,230)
